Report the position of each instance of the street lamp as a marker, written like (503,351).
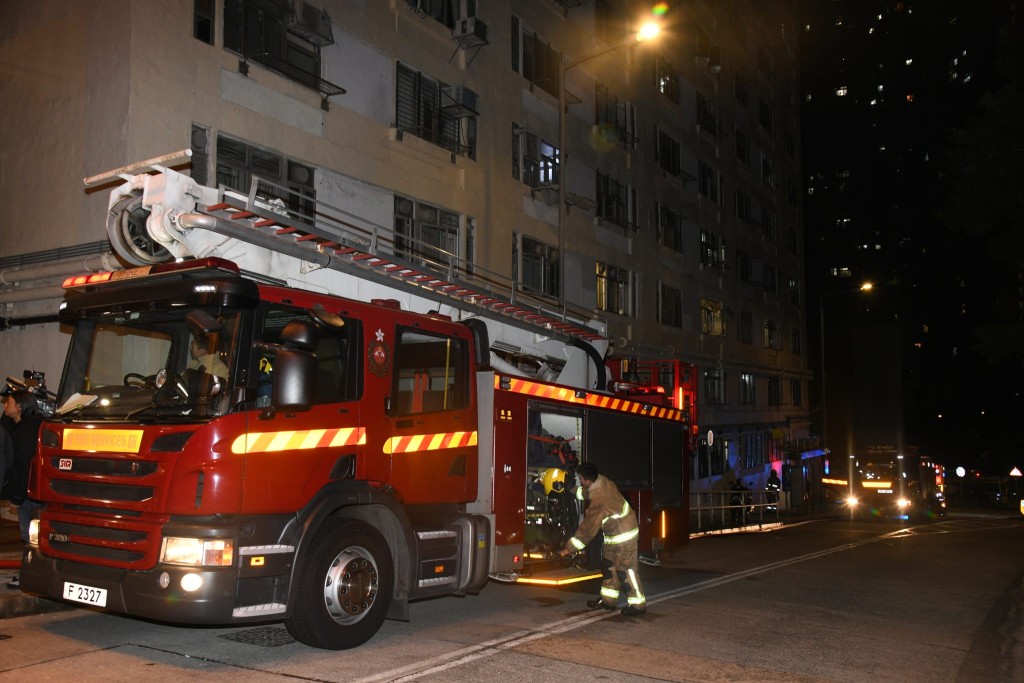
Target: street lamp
(646,32)
(866,287)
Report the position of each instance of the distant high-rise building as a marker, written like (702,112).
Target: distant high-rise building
(885,85)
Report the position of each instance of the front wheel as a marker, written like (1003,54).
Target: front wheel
(344,587)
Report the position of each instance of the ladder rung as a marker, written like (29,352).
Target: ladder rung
(264,223)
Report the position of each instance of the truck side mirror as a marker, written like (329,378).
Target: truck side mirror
(294,380)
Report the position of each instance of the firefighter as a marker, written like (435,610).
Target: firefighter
(773,486)
(609,512)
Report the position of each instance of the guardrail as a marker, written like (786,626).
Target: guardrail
(720,510)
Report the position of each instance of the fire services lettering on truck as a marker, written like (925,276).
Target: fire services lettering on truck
(227,451)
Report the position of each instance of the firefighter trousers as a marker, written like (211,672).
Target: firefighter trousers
(622,575)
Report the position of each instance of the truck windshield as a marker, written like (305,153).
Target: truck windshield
(150,364)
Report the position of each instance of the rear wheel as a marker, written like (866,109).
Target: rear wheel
(344,588)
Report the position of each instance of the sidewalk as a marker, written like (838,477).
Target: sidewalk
(14,603)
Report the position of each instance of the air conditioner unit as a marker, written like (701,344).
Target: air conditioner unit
(460,101)
(310,23)
(470,28)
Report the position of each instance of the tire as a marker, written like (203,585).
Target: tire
(347,559)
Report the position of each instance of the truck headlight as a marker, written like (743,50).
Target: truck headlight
(33,533)
(903,503)
(198,552)
(852,501)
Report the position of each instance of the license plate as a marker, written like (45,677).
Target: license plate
(85,594)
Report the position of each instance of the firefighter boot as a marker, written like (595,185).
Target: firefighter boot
(632,611)
(600,604)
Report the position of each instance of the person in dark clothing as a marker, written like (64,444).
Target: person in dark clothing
(21,407)
(773,486)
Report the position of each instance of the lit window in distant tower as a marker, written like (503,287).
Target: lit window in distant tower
(881,88)
(841,91)
(909,62)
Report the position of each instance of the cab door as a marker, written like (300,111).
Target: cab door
(432,441)
(290,455)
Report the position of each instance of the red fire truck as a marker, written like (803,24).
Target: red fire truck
(235,444)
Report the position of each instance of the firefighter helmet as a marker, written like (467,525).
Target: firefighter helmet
(554,480)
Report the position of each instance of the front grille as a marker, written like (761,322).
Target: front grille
(113,555)
(99,533)
(92,490)
(100,540)
(109,467)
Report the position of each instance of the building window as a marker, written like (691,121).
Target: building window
(422,109)
(615,289)
(535,59)
(752,449)
(426,233)
(709,182)
(746,327)
(670,228)
(742,147)
(766,117)
(774,391)
(793,287)
(670,305)
(239,164)
(743,207)
(792,240)
(764,62)
(443,11)
(796,392)
(712,318)
(707,115)
(771,334)
(666,79)
(767,171)
(258,31)
(712,249)
(769,278)
(769,225)
(714,386)
(741,88)
(748,395)
(743,266)
(616,202)
(534,161)
(668,152)
(202,20)
(615,116)
(540,266)
(796,342)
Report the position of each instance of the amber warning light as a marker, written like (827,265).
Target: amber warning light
(158,269)
(89,279)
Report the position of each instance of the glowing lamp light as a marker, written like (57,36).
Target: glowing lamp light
(648,31)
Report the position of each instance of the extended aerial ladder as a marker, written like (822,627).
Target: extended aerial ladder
(159,214)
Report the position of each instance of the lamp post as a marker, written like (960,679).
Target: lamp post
(648,31)
(866,287)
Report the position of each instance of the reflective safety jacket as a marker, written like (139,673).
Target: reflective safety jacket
(608,512)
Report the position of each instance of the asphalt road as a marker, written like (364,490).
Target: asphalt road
(822,601)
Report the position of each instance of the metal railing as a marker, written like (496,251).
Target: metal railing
(722,510)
